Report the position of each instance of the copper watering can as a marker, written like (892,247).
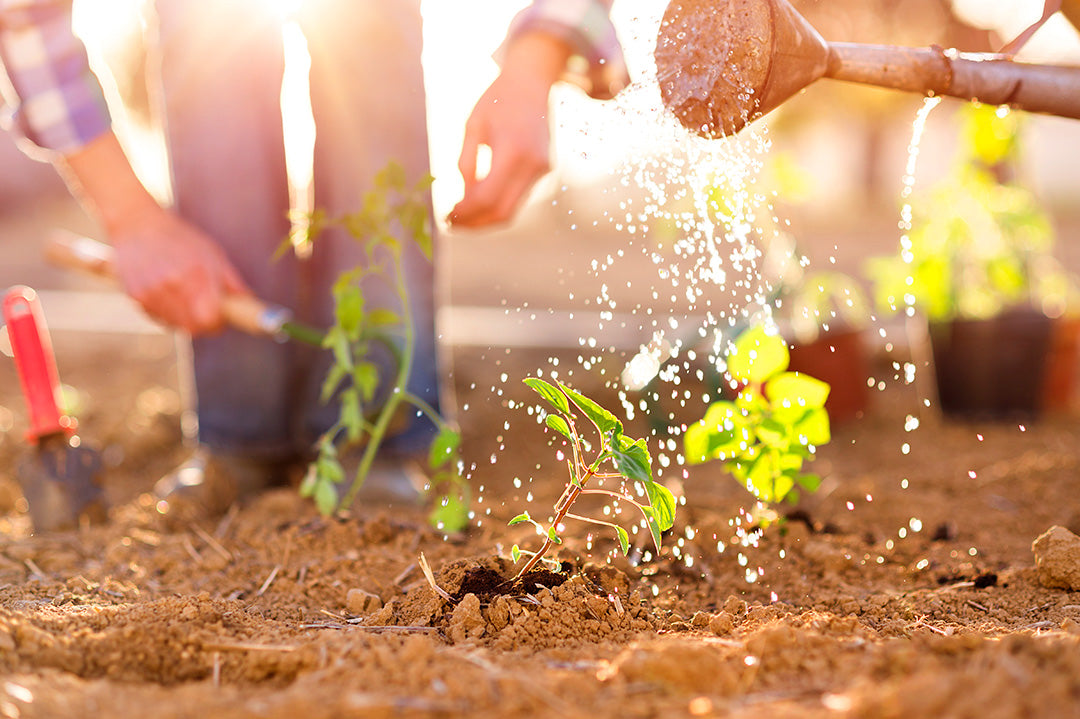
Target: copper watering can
(724,63)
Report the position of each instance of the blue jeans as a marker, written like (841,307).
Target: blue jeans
(221,65)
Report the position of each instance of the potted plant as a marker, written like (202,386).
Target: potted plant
(977,263)
(823,317)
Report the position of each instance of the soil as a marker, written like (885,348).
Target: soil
(906,587)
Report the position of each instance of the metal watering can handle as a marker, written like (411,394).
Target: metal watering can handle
(990,79)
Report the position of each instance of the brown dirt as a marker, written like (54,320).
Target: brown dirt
(274,611)
(906,587)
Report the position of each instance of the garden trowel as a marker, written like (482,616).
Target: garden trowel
(61,477)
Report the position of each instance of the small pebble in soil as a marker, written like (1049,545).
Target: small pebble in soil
(1057,559)
(357,601)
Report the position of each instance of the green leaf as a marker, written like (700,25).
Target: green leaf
(654,527)
(632,459)
(307,486)
(329,469)
(696,443)
(424,241)
(451,514)
(794,389)
(554,536)
(815,427)
(366,378)
(348,306)
(351,414)
(605,421)
(783,485)
(809,482)
(553,396)
(720,432)
(757,356)
(326,498)
(443,447)
(760,475)
(414,218)
(750,403)
(334,376)
(662,503)
(558,424)
(515,553)
(772,434)
(338,342)
(624,540)
(424,183)
(520,519)
(381,317)
(391,177)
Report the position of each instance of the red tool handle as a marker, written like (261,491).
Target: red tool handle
(34,363)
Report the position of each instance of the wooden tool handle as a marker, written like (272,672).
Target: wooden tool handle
(243,312)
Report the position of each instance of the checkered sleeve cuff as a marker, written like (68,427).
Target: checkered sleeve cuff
(598,66)
(54,100)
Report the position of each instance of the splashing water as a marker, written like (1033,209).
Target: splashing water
(701,217)
(697,214)
(907,373)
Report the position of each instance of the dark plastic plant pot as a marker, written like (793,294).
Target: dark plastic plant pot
(838,357)
(993,368)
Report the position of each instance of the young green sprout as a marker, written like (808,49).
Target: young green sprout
(628,458)
(773,425)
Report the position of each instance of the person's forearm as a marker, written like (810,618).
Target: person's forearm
(101,177)
(538,55)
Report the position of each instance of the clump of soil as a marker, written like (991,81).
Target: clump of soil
(906,586)
(540,610)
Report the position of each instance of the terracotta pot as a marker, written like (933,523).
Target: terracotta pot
(838,357)
(992,368)
(1059,383)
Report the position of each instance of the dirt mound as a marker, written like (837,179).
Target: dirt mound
(541,610)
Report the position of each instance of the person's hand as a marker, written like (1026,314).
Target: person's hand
(176,272)
(511,119)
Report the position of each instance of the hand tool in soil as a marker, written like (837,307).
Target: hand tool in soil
(724,63)
(61,478)
(243,312)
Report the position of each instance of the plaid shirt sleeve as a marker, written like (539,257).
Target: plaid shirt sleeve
(585,24)
(53,99)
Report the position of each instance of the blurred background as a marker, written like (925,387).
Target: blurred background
(834,157)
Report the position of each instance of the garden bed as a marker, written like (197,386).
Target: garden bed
(905,588)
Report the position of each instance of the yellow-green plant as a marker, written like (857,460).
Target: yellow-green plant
(774,424)
(979,242)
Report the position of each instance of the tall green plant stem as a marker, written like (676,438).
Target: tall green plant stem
(397,394)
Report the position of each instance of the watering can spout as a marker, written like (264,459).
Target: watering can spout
(724,63)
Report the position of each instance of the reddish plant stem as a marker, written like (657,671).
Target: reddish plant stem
(560,514)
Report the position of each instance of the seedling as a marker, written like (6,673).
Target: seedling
(365,415)
(773,426)
(628,457)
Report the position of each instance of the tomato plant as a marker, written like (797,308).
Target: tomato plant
(365,415)
(628,458)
